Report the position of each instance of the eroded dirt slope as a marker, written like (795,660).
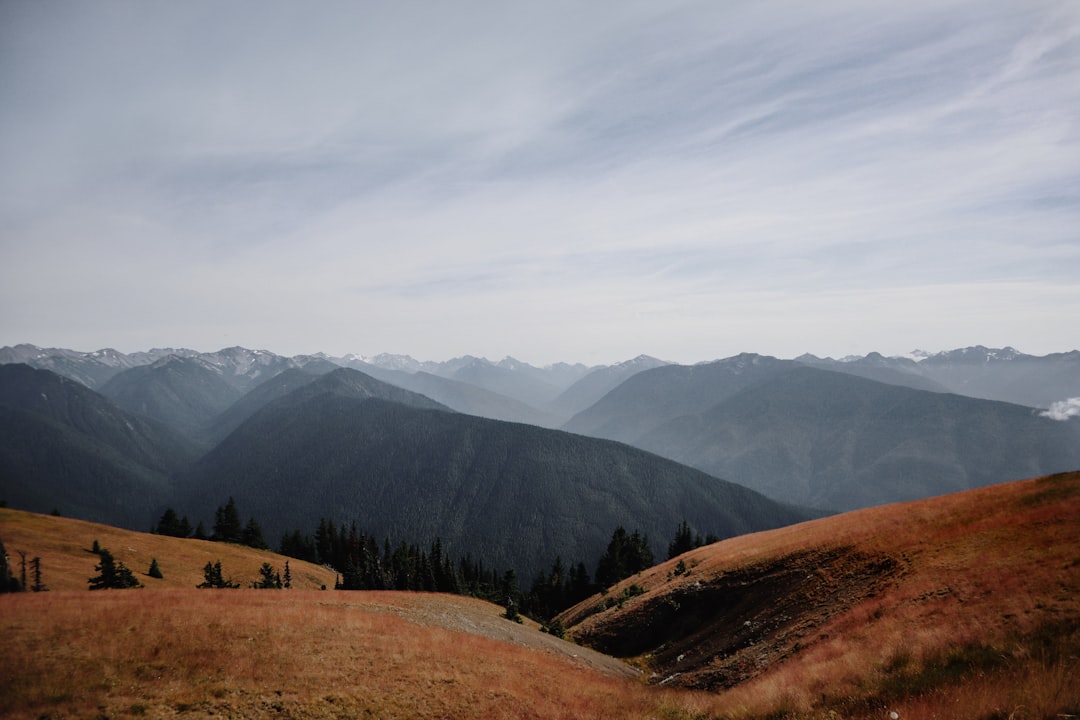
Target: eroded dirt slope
(718,632)
(845,601)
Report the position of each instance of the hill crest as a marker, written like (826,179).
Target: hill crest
(887,589)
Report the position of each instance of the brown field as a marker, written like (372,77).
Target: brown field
(964,607)
(304,654)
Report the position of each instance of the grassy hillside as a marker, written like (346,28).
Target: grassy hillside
(968,602)
(170,650)
(966,607)
(64,544)
(299,654)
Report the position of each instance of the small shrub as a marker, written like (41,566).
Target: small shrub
(907,678)
(555,628)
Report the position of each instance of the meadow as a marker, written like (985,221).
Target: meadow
(976,616)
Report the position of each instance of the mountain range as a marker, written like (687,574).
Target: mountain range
(342,444)
(517,495)
(515,462)
(988,373)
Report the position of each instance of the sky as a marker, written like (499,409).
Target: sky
(555,181)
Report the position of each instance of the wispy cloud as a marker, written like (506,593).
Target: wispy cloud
(552,181)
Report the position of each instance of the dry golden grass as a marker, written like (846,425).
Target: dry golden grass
(310,654)
(169,649)
(981,618)
(63,544)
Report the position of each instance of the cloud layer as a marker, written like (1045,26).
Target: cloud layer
(1063,409)
(551,181)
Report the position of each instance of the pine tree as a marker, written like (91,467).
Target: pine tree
(613,563)
(580,586)
(625,556)
(287,576)
(270,579)
(299,546)
(200,532)
(154,571)
(324,541)
(227,527)
(253,537)
(111,574)
(172,525)
(685,540)
(212,577)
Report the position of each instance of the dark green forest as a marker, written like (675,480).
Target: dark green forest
(363,562)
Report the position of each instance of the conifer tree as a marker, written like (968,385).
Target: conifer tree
(685,540)
(227,527)
(324,541)
(580,586)
(287,576)
(253,537)
(112,574)
(297,545)
(625,555)
(212,577)
(270,579)
(172,525)
(155,570)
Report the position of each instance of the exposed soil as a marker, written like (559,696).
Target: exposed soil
(714,633)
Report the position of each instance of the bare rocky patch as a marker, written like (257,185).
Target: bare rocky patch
(717,632)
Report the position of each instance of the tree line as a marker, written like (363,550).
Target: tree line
(363,562)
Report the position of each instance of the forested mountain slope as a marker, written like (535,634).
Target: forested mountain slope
(840,442)
(513,494)
(652,397)
(65,447)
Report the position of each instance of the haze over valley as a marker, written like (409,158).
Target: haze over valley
(193,429)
